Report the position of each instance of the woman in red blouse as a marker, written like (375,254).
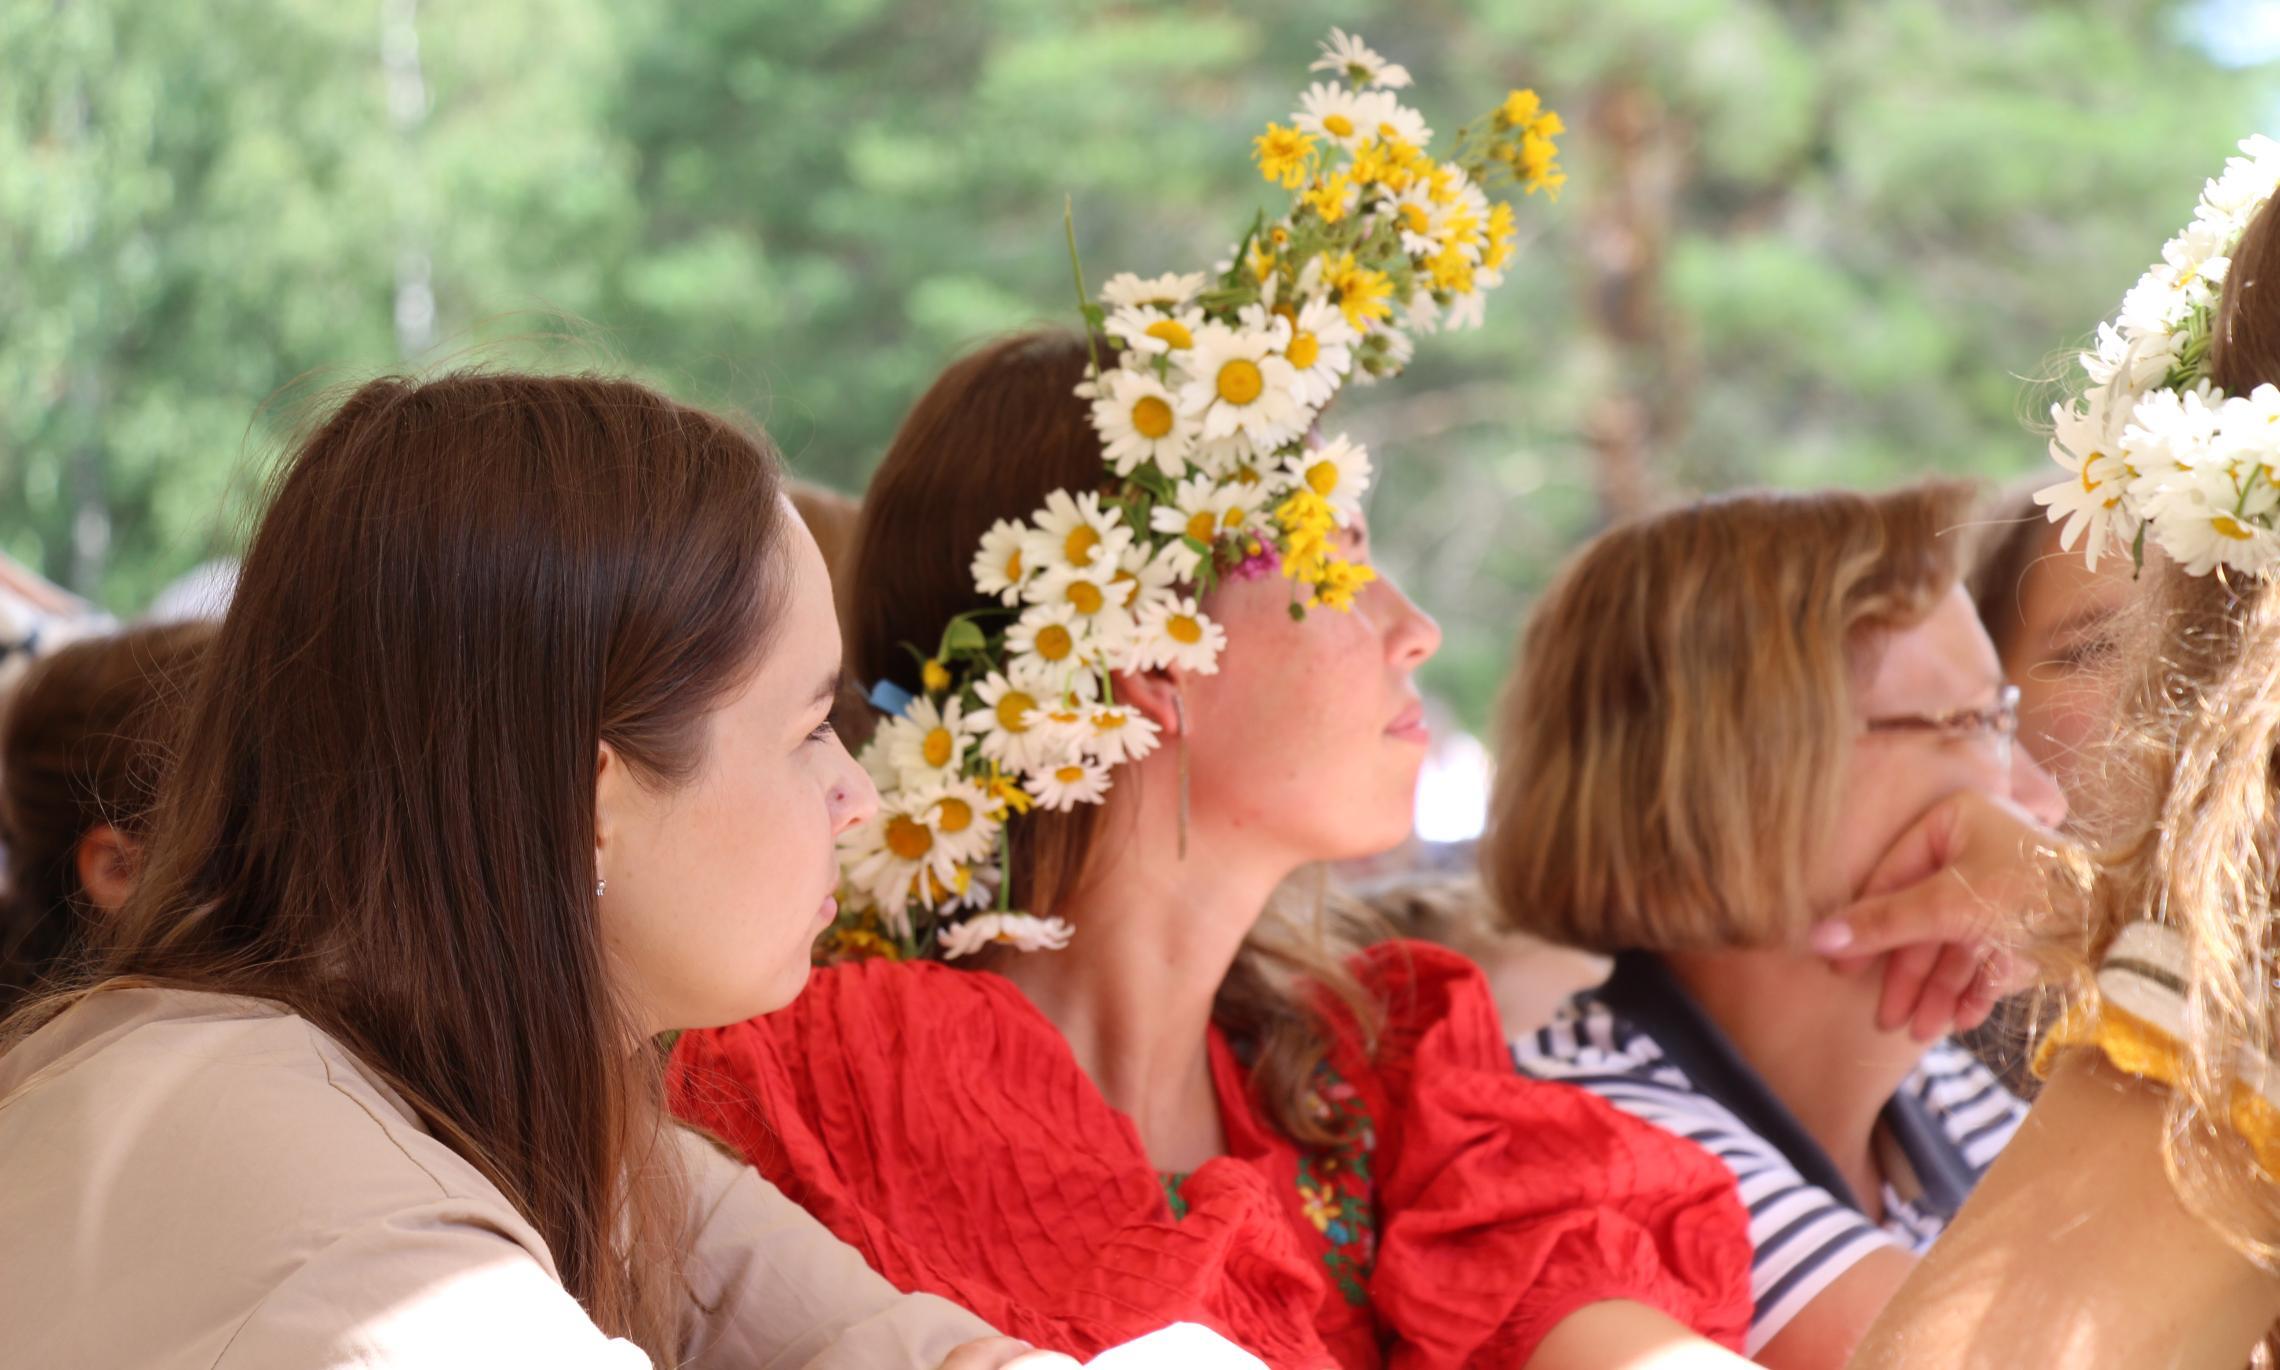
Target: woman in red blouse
(1211,1105)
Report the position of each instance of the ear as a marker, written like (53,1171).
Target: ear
(1154,694)
(107,859)
(614,797)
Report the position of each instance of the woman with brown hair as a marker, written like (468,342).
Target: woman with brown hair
(85,739)
(1722,717)
(1210,1103)
(510,755)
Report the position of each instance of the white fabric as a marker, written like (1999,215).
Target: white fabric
(1181,1346)
(2162,948)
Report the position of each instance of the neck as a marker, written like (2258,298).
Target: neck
(1155,936)
(1810,1033)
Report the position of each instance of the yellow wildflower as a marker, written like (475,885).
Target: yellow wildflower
(1502,233)
(1327,197)
(1008,792)
(1338,582)
(1391,163)
(1363,294)
(1283,154)
(1451,270)
(1308,522)
(934,676)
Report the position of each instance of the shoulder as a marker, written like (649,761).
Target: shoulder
(240,1160)
(1973,1107)
(212,1084)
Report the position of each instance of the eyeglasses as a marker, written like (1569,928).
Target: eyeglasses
(1999,725)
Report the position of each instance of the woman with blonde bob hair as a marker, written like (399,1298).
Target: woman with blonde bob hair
(1723,717)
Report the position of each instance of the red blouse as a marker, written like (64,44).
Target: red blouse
(935,1120)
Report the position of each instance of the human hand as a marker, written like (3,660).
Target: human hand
(1948,907)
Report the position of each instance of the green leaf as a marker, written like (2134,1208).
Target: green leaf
(963,635)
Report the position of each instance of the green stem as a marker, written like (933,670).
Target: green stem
(1005,866)
(1077,273)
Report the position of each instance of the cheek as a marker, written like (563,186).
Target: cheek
(749,861)
(1298,711)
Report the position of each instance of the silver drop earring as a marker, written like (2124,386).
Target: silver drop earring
(1179,716)
(601,886)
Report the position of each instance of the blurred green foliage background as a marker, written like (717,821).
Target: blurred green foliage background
(1804,242)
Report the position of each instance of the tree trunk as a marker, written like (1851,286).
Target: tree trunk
(1628,215)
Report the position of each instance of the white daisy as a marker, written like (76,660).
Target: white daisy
(1239,382)
(2090,502)
(1203,511)
(958,814)
(2167,431)
(1147,576)
(1055,635)
(1320,350)
(2138,362)
(1139,421)
(1174,632)
(1468,310)
(1098,608)
(1021,931)
(1347,55)
(1338,470)
(1146,331)
(998,567)
(1067,783)
(1010,722)
(2202,521)
(1394,122)
(877,759)
(927,745)
(1336,113)
(1117,733)
(1229,458)
(1075,532)
(896,858)
(1167,292)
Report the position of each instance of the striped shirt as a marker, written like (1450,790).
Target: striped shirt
(1640,1043)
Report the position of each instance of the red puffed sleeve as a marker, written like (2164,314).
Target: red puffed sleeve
(1506,1204)
(932,1119)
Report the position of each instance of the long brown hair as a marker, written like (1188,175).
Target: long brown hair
(2188,823)
(999,430)
(383,812)
(1675,731)
(85,742)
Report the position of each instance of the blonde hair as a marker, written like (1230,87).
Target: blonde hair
(2188,828)
(1675,733)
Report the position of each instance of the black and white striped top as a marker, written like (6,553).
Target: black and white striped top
(1640,1043)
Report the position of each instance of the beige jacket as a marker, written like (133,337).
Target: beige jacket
(197,1180)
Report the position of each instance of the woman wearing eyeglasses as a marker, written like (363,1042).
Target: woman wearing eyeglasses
(1724,717)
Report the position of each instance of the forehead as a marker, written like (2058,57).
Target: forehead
(803,645)
(1944,662)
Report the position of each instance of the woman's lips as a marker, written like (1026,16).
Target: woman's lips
(826,911)
(1409,725)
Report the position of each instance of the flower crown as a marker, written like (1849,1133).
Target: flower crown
(1205,414)
(2153,449)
